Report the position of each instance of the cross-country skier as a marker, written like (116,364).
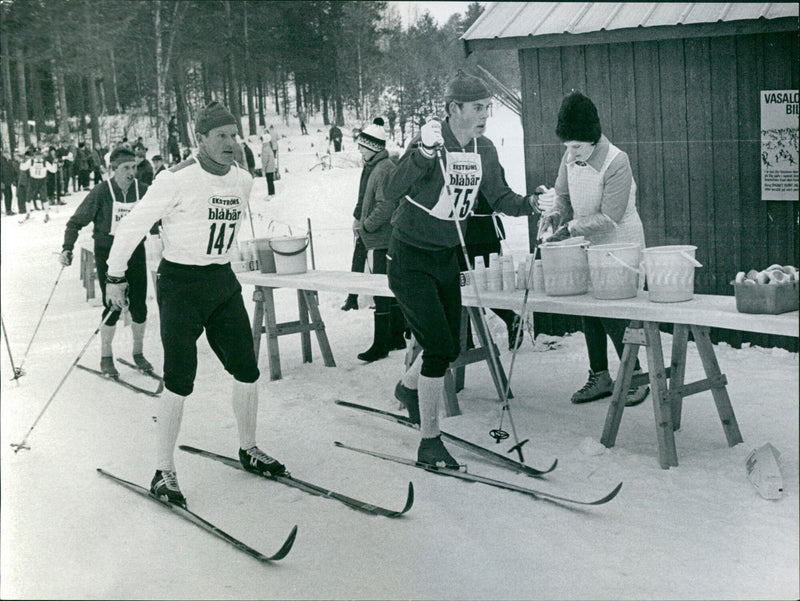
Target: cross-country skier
(423,251)
(200,203)
(105,206)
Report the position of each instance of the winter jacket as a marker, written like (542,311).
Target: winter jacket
(98,207)
(269,151)
(374,225)
(421,179)
(8,171)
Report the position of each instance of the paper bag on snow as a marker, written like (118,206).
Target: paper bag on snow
(763,471)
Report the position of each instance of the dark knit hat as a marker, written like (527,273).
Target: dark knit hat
(121,155)
(578,120)
(372,137)
(378,121)
(465,88)
(213,115)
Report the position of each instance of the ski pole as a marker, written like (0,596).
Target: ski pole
(22,445)
(481,310)
(47,304)
(17,370)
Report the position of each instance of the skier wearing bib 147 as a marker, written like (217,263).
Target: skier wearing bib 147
(201,203)
(423,252)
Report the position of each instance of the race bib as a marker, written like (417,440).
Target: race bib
(38,170)
(463,172)
(224,213)
(120,210)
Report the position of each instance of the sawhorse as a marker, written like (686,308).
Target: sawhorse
(667,385)
(264,322)
(454,377)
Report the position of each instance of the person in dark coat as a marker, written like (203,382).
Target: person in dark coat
(8,177)
(374,228)
(335,137)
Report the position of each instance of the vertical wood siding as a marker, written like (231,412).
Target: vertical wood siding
(688,114)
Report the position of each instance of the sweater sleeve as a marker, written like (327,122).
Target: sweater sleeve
(563,205)
(83,216)
(500,197)
(134,227)
(411,168)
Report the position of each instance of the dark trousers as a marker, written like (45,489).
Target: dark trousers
(83,178)
(22,199)
(595,329)
(425,283)
(337,146)
(194,298)
(8,197)
(38,191)
(383,304)
(359,259)
(270,182)
(66,172)
(136,274)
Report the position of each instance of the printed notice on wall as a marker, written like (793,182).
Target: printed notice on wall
(779,150)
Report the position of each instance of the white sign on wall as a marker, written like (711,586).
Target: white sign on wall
(779,145)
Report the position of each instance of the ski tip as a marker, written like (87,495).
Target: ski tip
(336,443)
(609,496)
(287,545)
(409,499)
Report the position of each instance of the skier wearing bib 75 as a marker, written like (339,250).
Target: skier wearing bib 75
(423,252)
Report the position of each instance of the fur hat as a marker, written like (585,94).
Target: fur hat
(578,120)
(213,115)
(372,137)
(465,88)
(121,155)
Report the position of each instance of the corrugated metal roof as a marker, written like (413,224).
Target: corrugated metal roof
(520,19)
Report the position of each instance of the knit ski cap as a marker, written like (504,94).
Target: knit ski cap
(578,120)
(373,137)
(465,88)
(121,155)
(213,115)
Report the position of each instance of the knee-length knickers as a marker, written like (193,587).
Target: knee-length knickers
(193,298)
(425,283)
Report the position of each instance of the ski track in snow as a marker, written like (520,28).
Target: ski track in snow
(696,531)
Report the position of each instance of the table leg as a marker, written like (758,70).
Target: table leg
(720,392)
(667,455)
(485,338)
(680,337)
(312,305)
(271,330)
(622,384)
(305,336)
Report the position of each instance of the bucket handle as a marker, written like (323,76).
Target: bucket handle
(691,259)
(289,254)
(621,262)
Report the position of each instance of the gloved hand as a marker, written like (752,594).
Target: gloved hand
(116,292)
(549,221)
(561,233)
(65,258)
(533,200)
(431,134)
(547,198)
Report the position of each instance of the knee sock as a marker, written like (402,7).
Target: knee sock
(106,338)
(245,408)
(410,379)
(137,329)
(430,391)
(170,413)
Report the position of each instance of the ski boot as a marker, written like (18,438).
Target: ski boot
(410,399)
(256,460)
(350,303)
(108,368)
(598,386)
(165,487)
(142,364)
(431,452)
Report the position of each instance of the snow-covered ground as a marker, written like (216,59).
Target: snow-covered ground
(698,531)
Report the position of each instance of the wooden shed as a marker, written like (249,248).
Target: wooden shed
(677,87)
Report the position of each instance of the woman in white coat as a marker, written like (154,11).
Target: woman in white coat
(269,161)
(596,199)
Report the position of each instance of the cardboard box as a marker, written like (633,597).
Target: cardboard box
(766,298)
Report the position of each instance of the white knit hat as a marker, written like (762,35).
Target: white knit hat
(372,137)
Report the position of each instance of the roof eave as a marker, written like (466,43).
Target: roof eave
(635,34)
